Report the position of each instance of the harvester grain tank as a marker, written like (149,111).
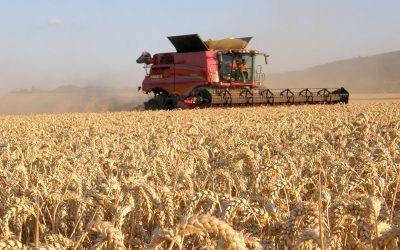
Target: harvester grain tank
(218,73)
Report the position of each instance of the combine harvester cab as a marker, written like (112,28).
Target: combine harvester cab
(218,73)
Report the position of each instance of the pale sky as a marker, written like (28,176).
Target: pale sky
(48,43)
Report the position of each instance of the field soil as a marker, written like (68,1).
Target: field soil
(373,98)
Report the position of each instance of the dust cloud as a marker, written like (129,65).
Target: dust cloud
(69,99)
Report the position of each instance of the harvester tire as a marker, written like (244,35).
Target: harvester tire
(156,103)
(151,105)
(205,96)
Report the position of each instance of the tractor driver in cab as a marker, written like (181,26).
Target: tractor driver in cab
(239,69)
(243,70)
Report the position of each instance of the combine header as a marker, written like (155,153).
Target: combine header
(218,73)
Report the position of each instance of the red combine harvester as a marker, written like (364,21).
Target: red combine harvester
(218,73)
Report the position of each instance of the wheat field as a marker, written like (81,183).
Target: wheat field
(293,177)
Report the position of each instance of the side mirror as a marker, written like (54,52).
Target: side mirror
(266,58)
(258,69)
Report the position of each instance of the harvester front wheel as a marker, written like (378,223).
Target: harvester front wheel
(204,97)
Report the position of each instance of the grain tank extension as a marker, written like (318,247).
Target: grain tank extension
(218,73)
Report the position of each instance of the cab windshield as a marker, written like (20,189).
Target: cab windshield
(237,68)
